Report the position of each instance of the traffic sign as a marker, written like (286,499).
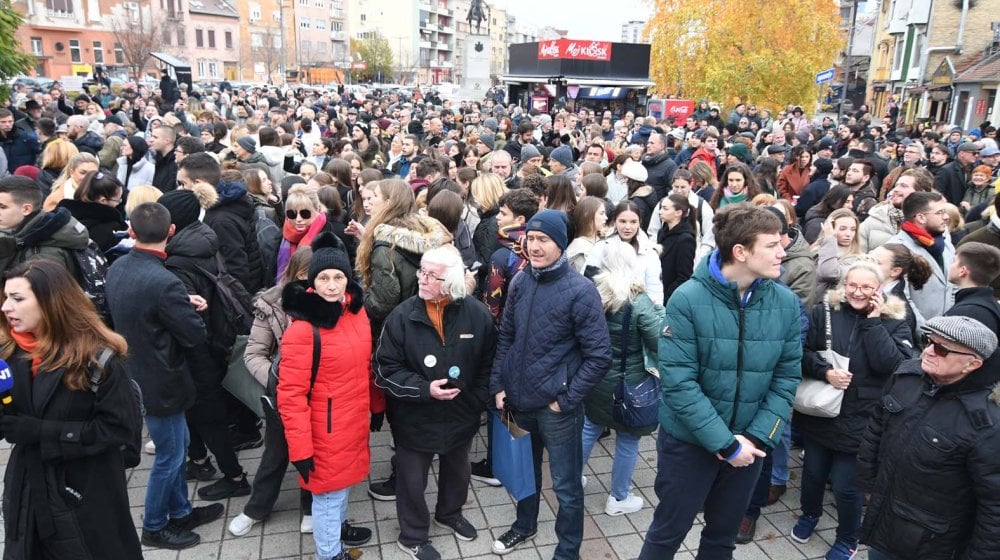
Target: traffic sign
(825,76)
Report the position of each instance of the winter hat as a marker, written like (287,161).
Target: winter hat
(29,171)
(247,143)
(551,223)
(489,139)
(826,144)
(328,253)
(364,128)
(740,151)
(634,170)
(823,167)
(802,136)
(529,151)
(968,147)
(491,124)
(781,217)
(563,154)
(183,206)
(965,331)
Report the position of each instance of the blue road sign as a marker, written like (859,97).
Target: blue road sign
(825,76)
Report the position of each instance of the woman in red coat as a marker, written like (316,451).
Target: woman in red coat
(326,417)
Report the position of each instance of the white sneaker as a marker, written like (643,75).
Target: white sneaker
(583,480)
(241,525)
(150,447)
(307,524)
(630,504)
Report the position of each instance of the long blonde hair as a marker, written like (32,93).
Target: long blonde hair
(855,247)
(58,154)
(398,210)
(74,162)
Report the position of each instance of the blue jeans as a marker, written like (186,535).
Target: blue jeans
(626,453)
(559,433)
(822,463)
(329,510)
(688,478)
(779,460)
(167,491)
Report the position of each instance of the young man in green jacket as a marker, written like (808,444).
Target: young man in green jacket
(730,361)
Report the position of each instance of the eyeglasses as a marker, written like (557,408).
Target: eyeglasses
(851,287)
(940,350)
(421,273)
(304,213)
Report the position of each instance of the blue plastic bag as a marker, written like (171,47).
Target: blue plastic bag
(512,461)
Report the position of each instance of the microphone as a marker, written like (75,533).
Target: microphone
(6,384)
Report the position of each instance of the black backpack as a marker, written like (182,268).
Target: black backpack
(268,241)
(91,273)
(230,312)
(130,450)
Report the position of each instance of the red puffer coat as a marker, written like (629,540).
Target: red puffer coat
(331,426)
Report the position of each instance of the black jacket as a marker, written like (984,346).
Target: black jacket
(101,220)
(188,250)
(20,147)
(165,176)
(91,142)
(979,304)
(930,458)
(660,169)
(70,487)
(410,354)
(486,240)
(151,309)
(952,181)
(875,346)
(677,256)
(232,218)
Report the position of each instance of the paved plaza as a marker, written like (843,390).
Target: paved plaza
(491,510)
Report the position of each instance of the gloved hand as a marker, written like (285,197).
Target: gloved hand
(378,418)
(21,429)
(305,466)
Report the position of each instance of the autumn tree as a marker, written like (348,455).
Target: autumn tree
(138,36)
(376,53)
(751,51)
(13,60)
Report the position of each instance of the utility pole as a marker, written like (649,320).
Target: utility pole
(847,61)
(281,34)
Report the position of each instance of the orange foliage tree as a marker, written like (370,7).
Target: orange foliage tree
(752,51)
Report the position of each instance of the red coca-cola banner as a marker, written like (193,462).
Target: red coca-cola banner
(574,50)
(679,109)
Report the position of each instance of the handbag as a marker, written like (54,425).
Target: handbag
(240,382)
(816,397)
(513,463)
(634,406)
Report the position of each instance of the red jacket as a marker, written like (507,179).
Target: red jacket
(332,426)
(792,181)
(701,154)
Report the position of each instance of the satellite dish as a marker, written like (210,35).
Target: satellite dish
(60,47)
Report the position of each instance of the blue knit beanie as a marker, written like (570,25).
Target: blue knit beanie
(551,223)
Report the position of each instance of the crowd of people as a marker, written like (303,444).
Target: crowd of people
(426,262)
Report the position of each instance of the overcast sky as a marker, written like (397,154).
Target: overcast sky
(585,19)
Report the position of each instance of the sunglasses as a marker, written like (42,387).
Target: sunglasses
(292,214)
(940,350)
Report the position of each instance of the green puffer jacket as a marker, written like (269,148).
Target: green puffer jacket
(643,330)
(720,377)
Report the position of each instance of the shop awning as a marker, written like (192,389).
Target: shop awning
(602,93)
(587,82)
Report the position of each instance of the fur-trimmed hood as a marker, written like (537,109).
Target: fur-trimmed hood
(894,307)
(428,235)
(300,302)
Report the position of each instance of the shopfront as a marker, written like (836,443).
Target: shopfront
(570,73)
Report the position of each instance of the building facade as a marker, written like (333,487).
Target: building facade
(632,31)
(421,34)
(73,37)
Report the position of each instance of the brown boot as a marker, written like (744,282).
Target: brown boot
(775,492)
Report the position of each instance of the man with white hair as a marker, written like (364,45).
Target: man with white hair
(433,361)
(85,140)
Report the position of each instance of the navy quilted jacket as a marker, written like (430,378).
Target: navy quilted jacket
(728,367)
(554,343)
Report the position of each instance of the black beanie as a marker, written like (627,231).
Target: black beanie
(183,206)
(328,252)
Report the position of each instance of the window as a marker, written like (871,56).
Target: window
(276,41)
(74,51)
(201,68)
(918,47)
(36,46)
(321,47)
(897,57)
(211,38)
(256,40)
(229,39)
(166,36)
(364,17)
(337,25)
(321,24)
(59,8)
(199,40)
(304,23)
(98,52)
(319,3)
(213,69)
(119,54)
(303,2)
(181,37)
(254,12)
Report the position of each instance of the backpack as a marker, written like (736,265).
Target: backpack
(230,312)
(131,449)
(268,241)
(91,273)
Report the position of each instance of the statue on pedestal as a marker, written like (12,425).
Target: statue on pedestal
(477,13)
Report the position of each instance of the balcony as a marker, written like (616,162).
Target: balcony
(443,46)
(59,14)
(338,36)
(426,44)
(338,13)
(440,64)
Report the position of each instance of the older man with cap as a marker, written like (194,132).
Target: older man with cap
(955,177)
(930,457)
(990,156)
(553,349)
